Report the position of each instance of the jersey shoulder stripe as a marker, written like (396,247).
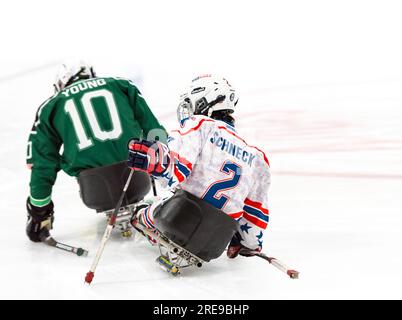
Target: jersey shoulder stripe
(40,109)
(203,119)
(195,126)
(241,139)
(126,80)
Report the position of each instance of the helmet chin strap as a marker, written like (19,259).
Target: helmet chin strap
(75,77)
(218,99)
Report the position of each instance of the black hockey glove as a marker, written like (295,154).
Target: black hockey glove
(235,248)
(40,221)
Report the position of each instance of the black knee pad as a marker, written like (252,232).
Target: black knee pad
(195,225)
(101,188)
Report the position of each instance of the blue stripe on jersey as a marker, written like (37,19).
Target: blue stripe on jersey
(183,169)
(256,213)
(146,217)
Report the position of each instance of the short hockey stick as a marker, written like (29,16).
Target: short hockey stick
(153,186)
(50,241)
(293,274)
(112,220)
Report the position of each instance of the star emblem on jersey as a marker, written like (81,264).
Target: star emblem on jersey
(259,237)
(245,227)
(171,181)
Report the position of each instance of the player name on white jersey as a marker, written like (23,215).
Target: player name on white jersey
(232,149)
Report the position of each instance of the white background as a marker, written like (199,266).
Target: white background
(320,91)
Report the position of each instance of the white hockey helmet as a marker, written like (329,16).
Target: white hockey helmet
(206,95)
(71,71)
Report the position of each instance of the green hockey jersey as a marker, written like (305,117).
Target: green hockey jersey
(86,125)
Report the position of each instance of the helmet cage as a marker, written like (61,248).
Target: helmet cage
(202,107)
(185,110)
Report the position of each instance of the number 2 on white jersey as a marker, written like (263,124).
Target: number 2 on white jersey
(214,194)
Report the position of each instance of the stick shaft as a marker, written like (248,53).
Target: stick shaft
(112,219)
(152,234)
(154,186)
(108,231)
(105,238)
(279,265)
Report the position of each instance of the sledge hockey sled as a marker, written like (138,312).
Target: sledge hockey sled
(100,189)
(189,232)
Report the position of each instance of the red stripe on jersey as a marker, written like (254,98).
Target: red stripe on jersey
(256,205)
(255,220)
(144,215)
(195,128)
(235,135)
(232,133)
(149,216)
(236,215)
(178,174)
(182,160)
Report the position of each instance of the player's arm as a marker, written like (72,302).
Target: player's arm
(152,129)
(43,160)
(255,217)
(171,163)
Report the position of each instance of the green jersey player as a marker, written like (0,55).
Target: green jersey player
(85,124)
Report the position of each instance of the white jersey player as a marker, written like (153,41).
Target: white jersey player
(209,159)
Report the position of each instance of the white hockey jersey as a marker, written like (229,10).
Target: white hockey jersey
(212,162)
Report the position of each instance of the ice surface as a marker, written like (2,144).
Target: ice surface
(320,92)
